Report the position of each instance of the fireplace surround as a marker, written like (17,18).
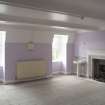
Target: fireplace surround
(96,64)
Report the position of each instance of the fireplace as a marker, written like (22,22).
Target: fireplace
(99,69)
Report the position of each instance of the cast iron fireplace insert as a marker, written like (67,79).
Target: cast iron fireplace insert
(99,69)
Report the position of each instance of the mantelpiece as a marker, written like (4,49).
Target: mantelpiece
(93,54)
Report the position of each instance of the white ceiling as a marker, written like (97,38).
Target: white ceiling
(87,8)
(11,15)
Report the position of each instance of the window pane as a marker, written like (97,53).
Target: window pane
(59,44)
(2,47)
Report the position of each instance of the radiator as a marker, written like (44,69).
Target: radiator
(31,69)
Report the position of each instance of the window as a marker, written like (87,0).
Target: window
(59,47)
(2,47)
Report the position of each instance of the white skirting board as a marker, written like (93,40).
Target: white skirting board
(26,80)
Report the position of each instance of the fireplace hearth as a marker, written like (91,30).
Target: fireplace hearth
(99,69)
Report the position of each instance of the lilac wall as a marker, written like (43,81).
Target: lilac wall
(70,56)
(89,41)
(1,73)
(57,67)
(18,51)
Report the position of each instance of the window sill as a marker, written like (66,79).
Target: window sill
(56,61)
